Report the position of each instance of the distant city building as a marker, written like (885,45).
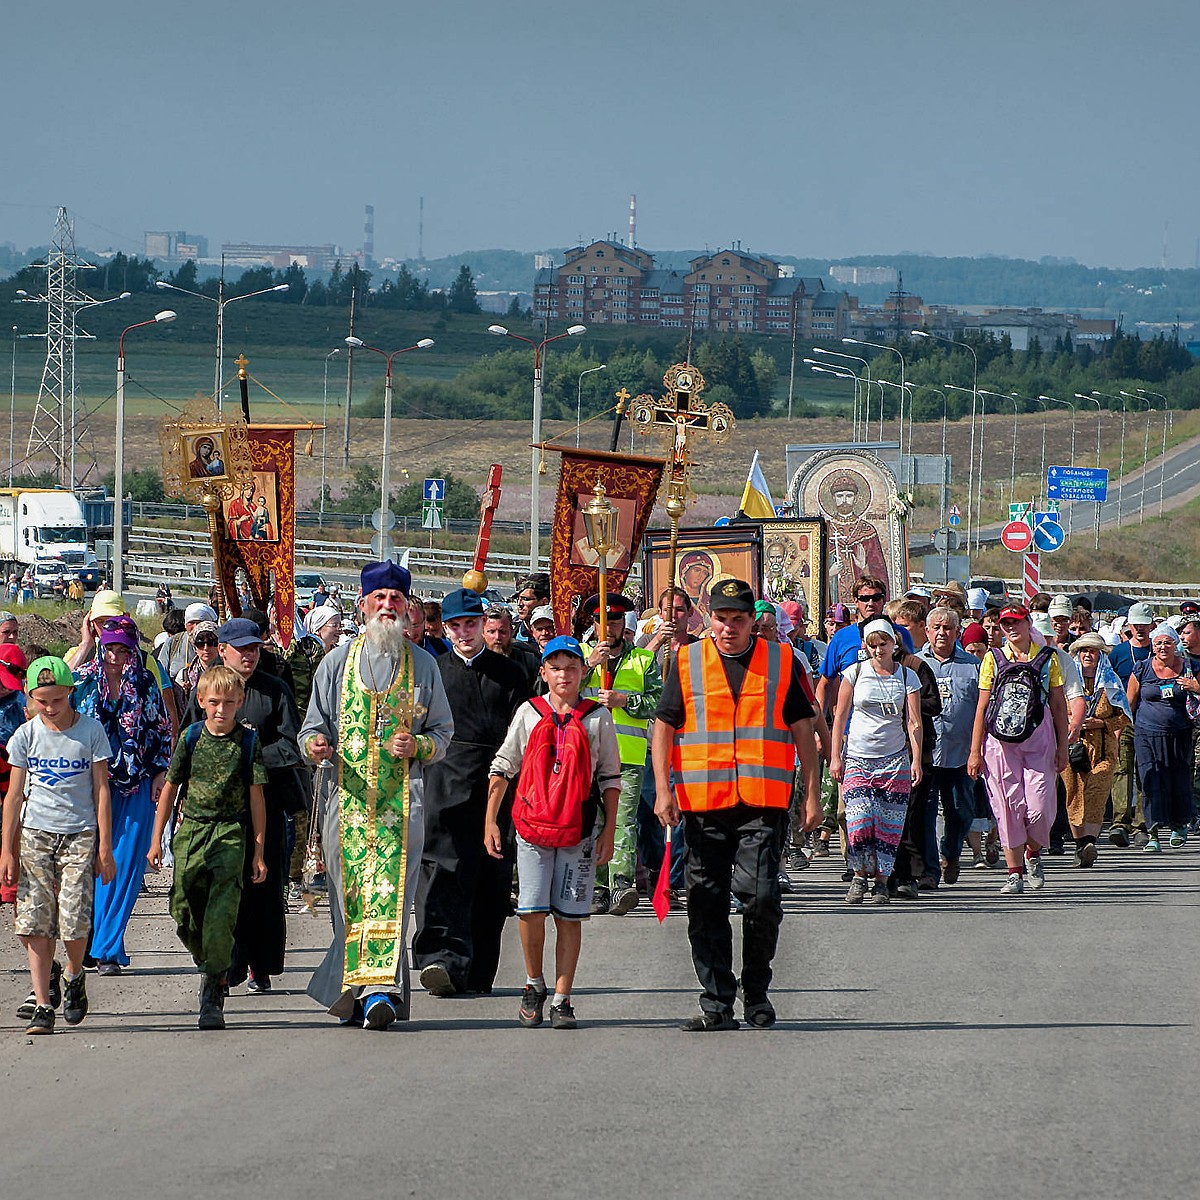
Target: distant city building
(729,291)
(862,276)
(174,244)
(543,262)
(311,258)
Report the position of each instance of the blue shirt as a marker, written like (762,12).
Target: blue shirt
(958,685)
(1124,655)
(845,648)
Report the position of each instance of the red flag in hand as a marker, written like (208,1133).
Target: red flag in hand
(662,893)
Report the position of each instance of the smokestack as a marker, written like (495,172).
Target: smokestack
(632,243)
(369,235)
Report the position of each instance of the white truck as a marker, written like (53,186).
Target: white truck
(42,523)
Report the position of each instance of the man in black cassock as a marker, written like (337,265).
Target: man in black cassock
(463,894)
(269,708)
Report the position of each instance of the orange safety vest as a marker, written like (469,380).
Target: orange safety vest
(726,753)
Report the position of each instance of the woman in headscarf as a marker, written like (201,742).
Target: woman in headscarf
(1092,760)
(322,629)
(118,690)
(1162,736)
(204,654)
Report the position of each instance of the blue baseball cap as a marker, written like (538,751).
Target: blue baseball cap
(563,644)
(239,632)
(461,603)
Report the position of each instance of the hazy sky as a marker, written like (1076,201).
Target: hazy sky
(1019,127)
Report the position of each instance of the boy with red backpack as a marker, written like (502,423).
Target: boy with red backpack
(564,753)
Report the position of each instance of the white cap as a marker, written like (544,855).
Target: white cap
(1141,614)
(1041,622)
(543,612)
(977,598)
(198,612)
(1060,606)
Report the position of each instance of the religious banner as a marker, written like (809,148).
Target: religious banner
(794,562)
(855,493)
(631,484)
(258,528)
(705,557)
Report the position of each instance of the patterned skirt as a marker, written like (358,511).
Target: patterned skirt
(875,792)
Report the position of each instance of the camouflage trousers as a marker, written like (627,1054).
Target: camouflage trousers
(55,884)
(207,889)
(624,857)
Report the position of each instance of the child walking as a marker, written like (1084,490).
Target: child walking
(218,769)
(57,836)
(565,752)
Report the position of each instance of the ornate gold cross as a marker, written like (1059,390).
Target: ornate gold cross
(681,413)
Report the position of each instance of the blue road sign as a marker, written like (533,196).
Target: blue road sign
(435,489)
(954,518)
(1039,517)
(1077,483)
(1048,536)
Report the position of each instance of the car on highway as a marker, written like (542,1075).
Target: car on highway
(308,582)
(46,573)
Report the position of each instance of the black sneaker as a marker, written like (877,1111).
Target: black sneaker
(760,1014)
(212,1003)
(75,1001)
(601,901)
(55,983)
(624,898)
(533,1001)
(27,1007)
(259,983)
(1118,836)
(562,1016)
(435,979)
(706,1022)
(42,1020)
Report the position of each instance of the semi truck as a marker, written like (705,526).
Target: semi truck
(40,524)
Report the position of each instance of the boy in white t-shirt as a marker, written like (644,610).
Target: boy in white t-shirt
(57,834)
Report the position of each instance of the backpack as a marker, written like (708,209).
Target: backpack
(1016,705)
(556,800)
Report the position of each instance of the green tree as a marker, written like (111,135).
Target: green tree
(461,500)
(462,297)
(184,276)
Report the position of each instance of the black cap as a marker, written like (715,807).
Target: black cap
(731,593)
(1189,607)
(615,601)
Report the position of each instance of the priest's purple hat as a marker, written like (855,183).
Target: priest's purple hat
(380,575)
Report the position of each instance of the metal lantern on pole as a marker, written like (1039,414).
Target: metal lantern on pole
(600,528)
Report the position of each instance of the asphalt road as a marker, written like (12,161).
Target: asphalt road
(961,1046)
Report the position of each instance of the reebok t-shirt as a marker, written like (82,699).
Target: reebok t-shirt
(58,786)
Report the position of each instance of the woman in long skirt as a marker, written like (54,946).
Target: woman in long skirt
(878,760)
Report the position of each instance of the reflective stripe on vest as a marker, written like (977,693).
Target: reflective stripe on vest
(632,738)
(726,753)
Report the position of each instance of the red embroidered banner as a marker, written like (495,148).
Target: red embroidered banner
(631,484)
(258,530)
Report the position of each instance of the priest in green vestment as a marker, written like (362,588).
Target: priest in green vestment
(377,715)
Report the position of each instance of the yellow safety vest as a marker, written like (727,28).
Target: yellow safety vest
(630,676)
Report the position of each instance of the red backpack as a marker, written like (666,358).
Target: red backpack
(556,799)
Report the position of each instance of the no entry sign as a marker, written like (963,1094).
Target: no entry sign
(1016,536)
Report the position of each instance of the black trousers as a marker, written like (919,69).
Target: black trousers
(735,851)
(261,933)
(463,896)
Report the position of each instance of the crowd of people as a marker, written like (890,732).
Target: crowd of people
(433,767)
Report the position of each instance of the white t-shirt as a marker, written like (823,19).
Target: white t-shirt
(880,713)
(58,785)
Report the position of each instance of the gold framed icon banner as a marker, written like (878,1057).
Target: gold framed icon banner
(202,452)
(794,561)
(705,556)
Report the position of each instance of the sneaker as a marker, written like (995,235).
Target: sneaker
(562,1016)
(259,983)
(435,979)
(295,893)
(533,1001)
(706,1022)
(785,882)
(1086,855)
(992,854)
(927,883)
(978,862)
(1178,838)
(847,875)
(1151,846)
(797,860)
(1037,873)
(601,901)
(42,1020)
(880,894)
(858,889)
(1118,836)
(624,900)
(55,984)
(1014,885)
(735,905)
(212,1003)
(1140,838)
(108,968)
(760,1014)
(75,1001)
(378,1011)
(951,869)
(905,891)
(821,848)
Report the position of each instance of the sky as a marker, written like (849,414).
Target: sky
(1019,127)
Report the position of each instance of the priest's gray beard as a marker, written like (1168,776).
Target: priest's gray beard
(387,636)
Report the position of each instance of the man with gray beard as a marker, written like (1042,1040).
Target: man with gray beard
(377,716)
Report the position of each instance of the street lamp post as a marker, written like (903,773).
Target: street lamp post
(1121,469)
(1145,455)
(579,398)
(538,348)
(1012,478)
(118,579)
(385,468)
(75,310)
(1099,416)
(859,425)
(849,341)
(325,428)
(1068,404)
(1162,462)
(842,372)
(222,303)
(1045,409)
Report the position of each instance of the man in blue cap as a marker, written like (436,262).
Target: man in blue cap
(378,714)
(463,893)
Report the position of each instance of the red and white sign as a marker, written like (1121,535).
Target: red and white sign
(1016,536)
(1031,576)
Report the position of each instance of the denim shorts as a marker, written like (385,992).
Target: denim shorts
(556,880)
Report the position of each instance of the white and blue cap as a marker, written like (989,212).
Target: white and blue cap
(563,644)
